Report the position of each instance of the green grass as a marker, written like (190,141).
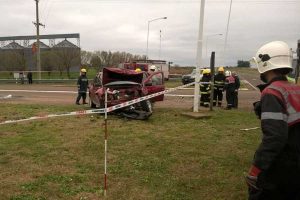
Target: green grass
(167,157)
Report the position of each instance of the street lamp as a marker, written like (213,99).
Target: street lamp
(208,36)
(149,30)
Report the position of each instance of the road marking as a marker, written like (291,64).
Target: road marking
(6,97)
(247,82)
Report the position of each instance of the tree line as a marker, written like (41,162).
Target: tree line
(63,59)
(100,59)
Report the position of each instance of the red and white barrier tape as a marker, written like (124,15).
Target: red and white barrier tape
(102,110)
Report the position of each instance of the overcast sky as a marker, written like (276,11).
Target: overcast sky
(121,25)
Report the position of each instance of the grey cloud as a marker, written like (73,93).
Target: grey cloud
(122,25)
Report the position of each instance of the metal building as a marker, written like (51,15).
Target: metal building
(19,52)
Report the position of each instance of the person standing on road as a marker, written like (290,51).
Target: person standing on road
(230,88)
(29,77)
(82,84)
(219,87)
(205,88)
(237,87)
(275,172)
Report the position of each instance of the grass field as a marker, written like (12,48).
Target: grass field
(167,157)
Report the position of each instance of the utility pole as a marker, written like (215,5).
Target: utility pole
(38,56)
(199,57)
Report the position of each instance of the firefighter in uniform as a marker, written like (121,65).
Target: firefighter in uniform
(275,171)
(205,88)
(237,87)
(82,84)
(219,86)
(230,88)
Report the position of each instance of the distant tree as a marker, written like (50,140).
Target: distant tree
(67,57)
(86,57)
(48,61)
(242,63)
(96,62)
(14,60)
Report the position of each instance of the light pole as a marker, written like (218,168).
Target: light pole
(208,36)
(199,58)
(149,30)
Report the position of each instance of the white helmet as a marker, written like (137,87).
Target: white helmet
(273,55)
(228,73)
(153,67)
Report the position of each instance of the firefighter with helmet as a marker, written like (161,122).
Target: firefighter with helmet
(82,85)
(205,88)
(237,87)
(138,70)
(229,87)
(275,170)
(152,68)
(219,80)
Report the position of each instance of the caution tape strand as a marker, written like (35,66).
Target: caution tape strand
(102,110)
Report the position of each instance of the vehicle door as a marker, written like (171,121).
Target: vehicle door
(95,88)
(155,83)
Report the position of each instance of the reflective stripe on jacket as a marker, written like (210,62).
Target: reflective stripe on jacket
(289,94)
(279,150)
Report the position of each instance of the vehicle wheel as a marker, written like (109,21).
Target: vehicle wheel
(146,106)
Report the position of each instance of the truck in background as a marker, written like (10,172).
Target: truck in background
(144,65)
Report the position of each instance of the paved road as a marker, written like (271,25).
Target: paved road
(65,95)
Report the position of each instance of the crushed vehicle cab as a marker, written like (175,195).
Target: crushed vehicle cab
(125,85)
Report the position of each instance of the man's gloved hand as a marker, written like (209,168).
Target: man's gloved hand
(251,178)
(257,109)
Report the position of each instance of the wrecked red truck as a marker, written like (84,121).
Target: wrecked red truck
(125,85)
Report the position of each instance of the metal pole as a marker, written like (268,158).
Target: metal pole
(38,56)
(199,58)
(105,145)
(227,30)
(212,69)
(159,44)
(147,40)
